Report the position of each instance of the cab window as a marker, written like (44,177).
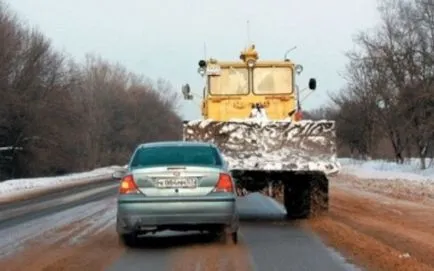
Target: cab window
(230,81)
(272,80)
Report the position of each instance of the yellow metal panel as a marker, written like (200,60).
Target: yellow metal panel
(239,107)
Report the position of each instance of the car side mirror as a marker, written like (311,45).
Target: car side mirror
(312,83)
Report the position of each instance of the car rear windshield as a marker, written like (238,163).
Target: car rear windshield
(176,155)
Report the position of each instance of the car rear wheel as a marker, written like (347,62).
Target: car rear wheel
(128,240)
(226,237)
(235,237)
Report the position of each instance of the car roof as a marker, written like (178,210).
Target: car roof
(178,143)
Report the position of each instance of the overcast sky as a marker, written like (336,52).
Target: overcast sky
(165,38)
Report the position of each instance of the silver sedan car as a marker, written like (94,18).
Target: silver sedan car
(180,186)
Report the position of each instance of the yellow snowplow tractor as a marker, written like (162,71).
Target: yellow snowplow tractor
(252,111)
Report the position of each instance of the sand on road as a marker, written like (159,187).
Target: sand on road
(83,242)
(380,224)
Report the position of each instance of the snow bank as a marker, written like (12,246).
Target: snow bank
(15,186)
(382,169)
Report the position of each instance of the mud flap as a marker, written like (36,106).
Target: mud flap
(305,194)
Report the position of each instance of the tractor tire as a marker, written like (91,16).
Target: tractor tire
(306,196)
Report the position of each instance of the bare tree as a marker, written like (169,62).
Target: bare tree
(355,125)
(391,77)
(58,116)
(419,90)
(31,73)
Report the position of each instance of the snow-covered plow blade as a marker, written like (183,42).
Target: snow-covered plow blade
(278,157)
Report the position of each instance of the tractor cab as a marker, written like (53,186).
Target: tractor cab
(232,88)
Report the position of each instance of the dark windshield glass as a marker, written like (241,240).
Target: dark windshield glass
(176,155)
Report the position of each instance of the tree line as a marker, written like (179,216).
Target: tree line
(59,116)
(386,109)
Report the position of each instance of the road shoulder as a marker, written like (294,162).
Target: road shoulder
(378,228)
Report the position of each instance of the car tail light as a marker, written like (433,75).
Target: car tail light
(224,183)
(128,186)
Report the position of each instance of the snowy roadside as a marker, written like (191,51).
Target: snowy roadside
(380,214)
(379,224)
(386,170)
(405,181)
(67,227)
(15,189)
(369,170)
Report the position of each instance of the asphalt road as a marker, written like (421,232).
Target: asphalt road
(269,242)
(272,244)
(16,213)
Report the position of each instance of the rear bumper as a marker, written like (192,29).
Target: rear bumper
(148,215)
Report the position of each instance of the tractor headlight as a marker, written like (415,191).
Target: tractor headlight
(298,69)
(201,71)
(251,63)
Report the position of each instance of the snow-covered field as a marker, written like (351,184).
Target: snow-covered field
(381,169)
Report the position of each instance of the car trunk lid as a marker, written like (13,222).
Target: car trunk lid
(169,181)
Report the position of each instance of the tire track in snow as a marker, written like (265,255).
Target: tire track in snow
(96,225)
(49,228)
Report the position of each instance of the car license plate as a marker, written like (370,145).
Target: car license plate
(177,183)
